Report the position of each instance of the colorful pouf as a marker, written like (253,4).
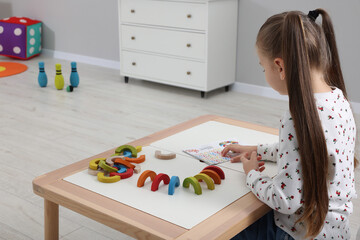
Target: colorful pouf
(20,37)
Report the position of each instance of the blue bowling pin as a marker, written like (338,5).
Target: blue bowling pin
(74,76)
(42,78)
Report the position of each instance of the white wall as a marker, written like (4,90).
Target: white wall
(90,28)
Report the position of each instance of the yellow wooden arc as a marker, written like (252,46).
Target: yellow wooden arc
(207,179)
(94,164)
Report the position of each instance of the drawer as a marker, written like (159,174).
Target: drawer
(164,13)
(185,44)
(164,69)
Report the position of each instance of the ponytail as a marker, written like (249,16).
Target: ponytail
(310,135)
(334,76)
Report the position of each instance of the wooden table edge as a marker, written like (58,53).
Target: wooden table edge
(228,228)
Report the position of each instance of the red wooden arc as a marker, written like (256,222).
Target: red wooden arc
(218,170)
(160,177)
(129,172)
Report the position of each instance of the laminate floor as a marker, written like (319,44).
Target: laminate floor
(43,129)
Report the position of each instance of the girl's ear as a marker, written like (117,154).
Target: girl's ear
(279,65)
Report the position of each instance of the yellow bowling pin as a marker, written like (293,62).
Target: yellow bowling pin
(59,78)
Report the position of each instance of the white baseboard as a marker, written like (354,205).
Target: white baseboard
(271,93)
(81,58)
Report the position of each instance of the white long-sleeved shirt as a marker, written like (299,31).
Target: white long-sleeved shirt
(283,193)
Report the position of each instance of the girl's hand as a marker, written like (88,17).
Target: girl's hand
(252,163)
(239,149)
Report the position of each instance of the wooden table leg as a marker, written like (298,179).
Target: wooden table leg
(51,220)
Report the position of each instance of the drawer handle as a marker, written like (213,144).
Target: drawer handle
(188,45)
(134,63)
(132,38)
(189,16)
(132,11)
(188,73)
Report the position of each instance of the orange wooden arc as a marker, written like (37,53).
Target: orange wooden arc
(213,175)
(144,176)
(140,159)
(124,162)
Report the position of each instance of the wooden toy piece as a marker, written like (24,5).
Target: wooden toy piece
(94,164)
(129,172)
(168,156)
(207,179)
(59,79)
(94,172)
(42,78)
(123,162)
(121,168)
(137,168)
(174,182)
(127,154)
(140,159)
(144,176)
(102,178)
(160,177)
(194,182)
(216,178)
(217,170)
(74,76)
(138,148)
(106,167)
(130,148)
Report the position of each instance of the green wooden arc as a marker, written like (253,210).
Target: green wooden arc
(194,182)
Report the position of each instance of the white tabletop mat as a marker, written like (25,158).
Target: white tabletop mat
(184,208)
(210,132)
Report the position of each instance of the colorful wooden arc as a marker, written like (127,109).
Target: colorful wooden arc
(168,156)
(123,162)
(93,172)
(138,148)
(140,159)
(216,178)
(94,164)
(194,182)
(160,177)
(124,175)
(174,182)
(102,178)
(144,176)
(130,148)
(207,179)
(106,167)
(217,170)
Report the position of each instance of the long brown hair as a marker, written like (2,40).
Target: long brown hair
(304,45)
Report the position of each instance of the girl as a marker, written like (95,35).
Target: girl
(311,194)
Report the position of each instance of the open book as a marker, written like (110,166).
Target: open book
(211,153)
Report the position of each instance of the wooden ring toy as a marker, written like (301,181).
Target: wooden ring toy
(168,156)
(194,182)
(144,176)
(129,172)
(140,159)
(160,177)
(94,164)
(137,168)
(138,148)
(94,172)
(123,162)
(105,179)
(207,179)
(217,170)
(124,148)
(174,182)
(121,168)
(216,178)
(106,167)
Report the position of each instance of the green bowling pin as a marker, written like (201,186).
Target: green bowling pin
(59,78)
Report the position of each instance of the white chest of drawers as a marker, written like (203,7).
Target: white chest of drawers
(184,43)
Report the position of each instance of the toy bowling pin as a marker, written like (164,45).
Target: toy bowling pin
(59,79)
(42,78)
(74,76)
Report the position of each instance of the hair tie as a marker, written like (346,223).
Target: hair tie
(313,14)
